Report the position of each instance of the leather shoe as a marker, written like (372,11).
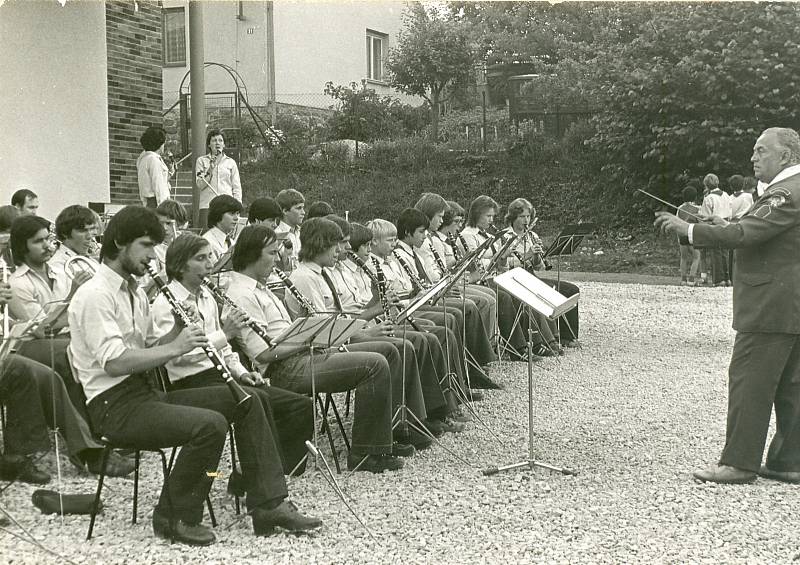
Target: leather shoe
(374,463)
(475,395)
(403,449)
(792,477)
(181,532)
(435,427)
(725,475)
(117,465)
(20,468)
(285,516)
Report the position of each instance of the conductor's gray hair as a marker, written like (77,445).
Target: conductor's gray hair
(789,139)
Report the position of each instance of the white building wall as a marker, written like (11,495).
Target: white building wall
(314,42)
(54,110)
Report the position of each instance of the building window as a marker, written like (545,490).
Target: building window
(174,36)
(377,44)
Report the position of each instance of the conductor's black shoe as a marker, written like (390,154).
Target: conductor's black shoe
(20,468)
(403,449)
(181,532)
(374,463)
(285,516)
(792,477)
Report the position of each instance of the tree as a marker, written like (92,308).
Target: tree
(433,54)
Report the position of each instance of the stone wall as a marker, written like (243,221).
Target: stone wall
(133,38)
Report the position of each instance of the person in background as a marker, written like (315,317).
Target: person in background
(319,209)
(690,257)
(26,202)
(7,216)
(265,211)
(223,215)
(76,229)
(716,203)
(217,175)
(293,205)
(152,171)
(742,199)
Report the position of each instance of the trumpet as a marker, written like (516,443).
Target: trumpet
(80,264)
(240,396)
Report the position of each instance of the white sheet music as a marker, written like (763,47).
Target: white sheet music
(535,293)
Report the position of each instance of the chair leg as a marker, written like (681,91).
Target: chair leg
(96,504)
(137,459)
(326,429)
(347,404)
(234,469)
(340,423)
(211,511)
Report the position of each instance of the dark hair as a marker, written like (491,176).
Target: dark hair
(220,205)
(750,183)
(736,182)
(317,235)
(128,224)
(213,133)
(289,197)
(8,214)
(174,210)
(431,204)
(22,229)
(409,220)
(453,209)
(359,235)
(182,248)
(516,208)
(20,196)
(343,224)
(249,245)
(75,217)
(479,207)
(264,208)
(319,209)
(153,138)
(689,193)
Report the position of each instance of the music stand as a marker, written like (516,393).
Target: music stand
(537,296)
(566,242)
(321,332)
(497,257)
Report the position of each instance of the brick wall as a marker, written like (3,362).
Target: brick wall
(134,88)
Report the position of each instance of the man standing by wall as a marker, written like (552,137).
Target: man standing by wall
(765,365)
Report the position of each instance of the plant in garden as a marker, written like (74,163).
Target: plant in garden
(434,53)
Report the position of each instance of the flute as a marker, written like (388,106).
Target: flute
(221,296)
(304,302)
(240,396)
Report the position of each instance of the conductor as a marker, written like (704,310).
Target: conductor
(765,364)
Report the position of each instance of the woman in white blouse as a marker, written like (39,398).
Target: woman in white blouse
(217,174)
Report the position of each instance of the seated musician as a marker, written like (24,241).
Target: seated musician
(321,242)
(319,209)
(76,229)
(527,253)
(432,253)
(425,351)
(35,397)
(112,347)
(289,414)
(223,215)
(265,211)
(512,317)
(290,366)
(173,217)
(412,226)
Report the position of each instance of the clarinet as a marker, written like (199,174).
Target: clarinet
(221,296)
(381,276)
(305,303)
(240,396)
(438,258)
(380,282)
(415,280)
(452,242)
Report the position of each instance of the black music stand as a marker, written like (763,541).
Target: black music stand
(322,332)
(566,242)
(536,295)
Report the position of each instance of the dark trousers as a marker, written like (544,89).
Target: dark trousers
(55,404)
(132,414)
(367,373)
(26,431)
(288,413)
(764,372)
(568,323)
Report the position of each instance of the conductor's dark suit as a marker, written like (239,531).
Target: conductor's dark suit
(765,365)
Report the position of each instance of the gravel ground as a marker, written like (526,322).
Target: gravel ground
(634,411)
